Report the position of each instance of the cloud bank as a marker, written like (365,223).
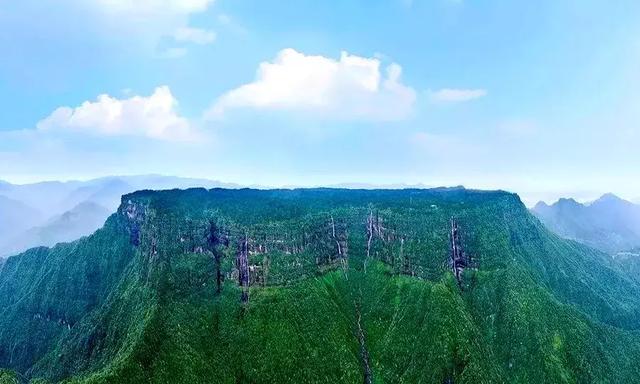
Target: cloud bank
(153,116)
(150,8)
(155,22)
(349,88)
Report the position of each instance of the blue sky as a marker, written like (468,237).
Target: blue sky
(541,98)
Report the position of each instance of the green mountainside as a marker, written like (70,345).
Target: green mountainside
(319,286)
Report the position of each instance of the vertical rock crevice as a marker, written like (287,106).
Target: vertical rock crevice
(242,263)
(364,353)
(216,240)
(375,229)
(340,238)
(459,260)
(135,215)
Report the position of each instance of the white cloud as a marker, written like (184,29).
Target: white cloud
(154,116)
(350,88)
(150,22)
(194,35)
(144,8)
(450,95)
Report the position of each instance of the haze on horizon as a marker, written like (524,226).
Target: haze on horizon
(537,98)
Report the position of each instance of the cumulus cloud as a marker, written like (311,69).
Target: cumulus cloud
(349,88)
(154,116)
(450,95)
(194,35)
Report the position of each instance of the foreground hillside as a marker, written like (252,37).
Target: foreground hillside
(321,286)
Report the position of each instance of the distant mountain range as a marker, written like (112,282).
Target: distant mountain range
(46,213)
(610,223)
(16,216)
(80,221)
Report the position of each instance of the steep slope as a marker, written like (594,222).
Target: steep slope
(318,286)
(46,292)
(610,224)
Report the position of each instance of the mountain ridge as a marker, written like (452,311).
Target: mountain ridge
(56,198)
(156,295)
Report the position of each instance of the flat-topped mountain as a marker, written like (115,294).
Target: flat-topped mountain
(317,286)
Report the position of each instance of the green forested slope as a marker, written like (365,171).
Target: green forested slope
(345,286)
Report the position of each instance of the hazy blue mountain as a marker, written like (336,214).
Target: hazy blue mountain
(44,196)
(16,216)
(46,212)
(103,193)
(159,182)
(610,223)
(80,221)
(55,197)
(379,186)
(106,192)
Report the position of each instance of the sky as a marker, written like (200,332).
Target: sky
(540,98)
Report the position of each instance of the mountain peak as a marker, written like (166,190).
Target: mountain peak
(609,197)
(609,223)
(540,207)
(567,201)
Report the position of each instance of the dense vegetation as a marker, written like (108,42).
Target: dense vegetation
(344,286)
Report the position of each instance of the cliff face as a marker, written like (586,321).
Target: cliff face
(319,286)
